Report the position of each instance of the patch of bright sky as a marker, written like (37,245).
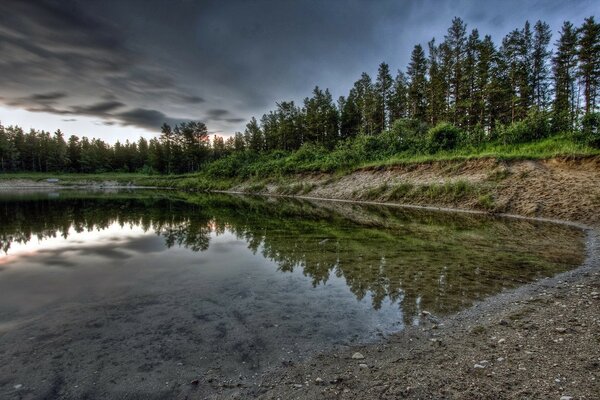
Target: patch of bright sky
(76,125)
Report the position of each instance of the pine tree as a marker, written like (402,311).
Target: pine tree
(417,89)
(541,57)
(254,137)
(398,98)
(166,138)
(350,116)
(482,98)
(366,101)
(564,69)
(436,109)
(588,53)
(383,88)
(469,94)
(456,44)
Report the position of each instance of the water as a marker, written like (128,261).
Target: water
(122,293)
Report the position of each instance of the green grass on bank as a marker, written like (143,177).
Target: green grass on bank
(368,152)
(552,147)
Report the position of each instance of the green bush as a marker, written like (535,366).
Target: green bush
(590,130)
(409,135)
(534,127)
(443,136)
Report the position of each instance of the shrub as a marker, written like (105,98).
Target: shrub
(443,136)
(590,130)
(409,134)
(535,126)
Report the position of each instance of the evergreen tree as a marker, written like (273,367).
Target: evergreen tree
(456,44)
(398,98)
(564,66)
(167,141)
(437,88)
(417,89)
(253,136)
(588,53)
(350,117)
(540,69)
(383,88)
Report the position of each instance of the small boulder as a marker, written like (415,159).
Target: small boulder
(358,356)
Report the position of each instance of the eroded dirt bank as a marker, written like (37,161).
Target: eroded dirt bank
(567,189)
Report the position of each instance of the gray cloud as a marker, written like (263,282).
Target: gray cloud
(144,62)
(145,118)
(102,108)
(48,97)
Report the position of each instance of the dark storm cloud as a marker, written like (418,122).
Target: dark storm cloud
(145,62)
(150,119)
(48,97)
(102,108)
(62,44)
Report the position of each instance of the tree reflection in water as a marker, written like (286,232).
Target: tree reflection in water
(419,259)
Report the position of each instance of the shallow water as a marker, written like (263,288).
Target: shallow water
(123,293)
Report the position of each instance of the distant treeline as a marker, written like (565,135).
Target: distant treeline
(464,91)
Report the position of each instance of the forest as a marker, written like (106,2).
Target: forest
(463,92)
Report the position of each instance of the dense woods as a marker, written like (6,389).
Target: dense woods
(460,92)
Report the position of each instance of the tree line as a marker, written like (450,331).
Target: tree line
(522,89)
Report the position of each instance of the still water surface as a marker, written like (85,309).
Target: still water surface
(141,292)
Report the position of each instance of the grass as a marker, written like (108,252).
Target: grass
(555,146)
(275,167)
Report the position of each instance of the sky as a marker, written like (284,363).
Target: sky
(117,69)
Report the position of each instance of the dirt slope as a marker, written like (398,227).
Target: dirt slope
(566,189)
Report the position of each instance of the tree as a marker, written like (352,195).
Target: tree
(417,88)
(483,98)
(366,101)
(350,117)
(383,89)
(469,92)
(166,139)
(456,42)
(564,66)
(398,98)
(437,88)
(588,53)
(541,70)
(254,136)
(321,118)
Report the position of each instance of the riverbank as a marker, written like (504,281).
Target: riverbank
(540,341)
(566,188)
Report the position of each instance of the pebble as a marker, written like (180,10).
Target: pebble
(357,356)
(18,386)
(478,366)
(500,359)
(561,330)
(501,341)
(297,385)
(566,398)
(363,366)
(318,381)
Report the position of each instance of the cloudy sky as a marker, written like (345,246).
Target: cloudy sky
(119,69)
